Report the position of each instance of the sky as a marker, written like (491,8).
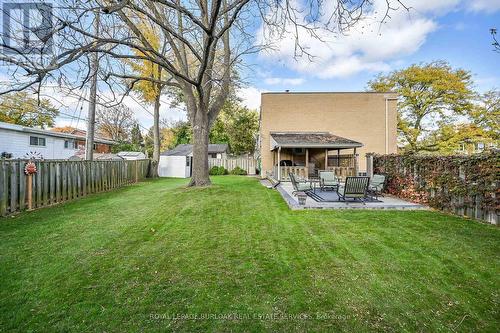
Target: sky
(452,30)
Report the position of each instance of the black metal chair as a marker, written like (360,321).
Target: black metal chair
(328,180)
(376,186)
(299,186)
(355,188)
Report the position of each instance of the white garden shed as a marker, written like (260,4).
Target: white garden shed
(177,162)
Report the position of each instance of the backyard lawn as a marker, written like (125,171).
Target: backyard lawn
(157,256)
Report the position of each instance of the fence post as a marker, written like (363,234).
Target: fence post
(22,187)
(136,171)
(30,192)
(369,165)
(3,188)
(14,186)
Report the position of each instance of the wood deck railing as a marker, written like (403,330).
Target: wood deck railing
(343,172)
(301,171)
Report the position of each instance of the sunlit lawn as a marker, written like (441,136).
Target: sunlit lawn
(158,257)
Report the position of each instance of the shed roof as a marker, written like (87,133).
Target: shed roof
(80,156)
(187,149)
(311,140)
(131,153)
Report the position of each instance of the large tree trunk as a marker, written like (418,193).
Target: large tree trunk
(156,137)
(200,149)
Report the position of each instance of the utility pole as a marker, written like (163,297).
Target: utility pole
(94,67)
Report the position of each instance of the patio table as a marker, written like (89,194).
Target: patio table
(313,181)
(335,188)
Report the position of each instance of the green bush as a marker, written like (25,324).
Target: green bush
(218,171)
(238,171)
(214,171)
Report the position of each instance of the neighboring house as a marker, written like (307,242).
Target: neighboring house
(177,162)
(100,145)
(469,148)
(307,132)
(132,155)
(20,141)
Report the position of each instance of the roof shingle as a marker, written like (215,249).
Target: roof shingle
(311,140)
(187,149)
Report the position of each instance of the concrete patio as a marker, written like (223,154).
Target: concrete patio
(386,202)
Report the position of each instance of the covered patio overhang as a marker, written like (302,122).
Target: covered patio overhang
(306,153)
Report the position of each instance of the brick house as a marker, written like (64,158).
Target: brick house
(304,132)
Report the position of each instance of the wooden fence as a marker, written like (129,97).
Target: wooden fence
(463,185)
(247,164)
(58,181)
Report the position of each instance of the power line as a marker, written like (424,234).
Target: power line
(80,113)
(66,115)
(76,108)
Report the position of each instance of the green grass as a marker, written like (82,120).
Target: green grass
(139,258)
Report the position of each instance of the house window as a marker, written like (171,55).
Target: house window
(37,141)
(70,144)
(188,161)
(211,155)
(95,146)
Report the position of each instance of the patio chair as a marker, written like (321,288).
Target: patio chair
(299,185)
(376,185)
(355,188)
(327,179)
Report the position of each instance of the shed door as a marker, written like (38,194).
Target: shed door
(189,166)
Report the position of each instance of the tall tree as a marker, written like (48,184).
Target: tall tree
(458,139)
(64,129)
(237,126)
(204,41)
(150,90)
(115,123)
(486,113)
(182,133)
(428,94)
(136,138)
(21,109)
(481,128)
(166,139)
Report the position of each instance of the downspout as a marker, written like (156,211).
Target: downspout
(387,99)
(258,149)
